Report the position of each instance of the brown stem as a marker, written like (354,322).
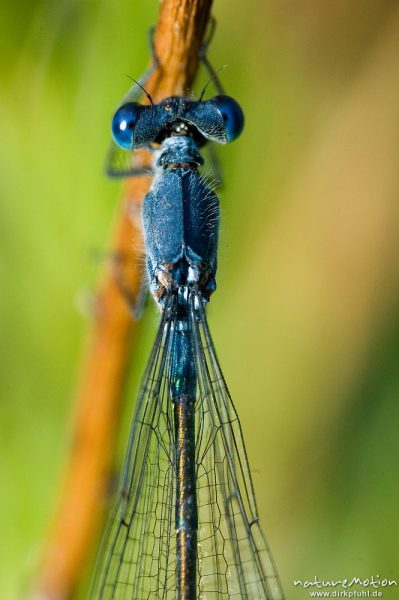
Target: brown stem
(178,37)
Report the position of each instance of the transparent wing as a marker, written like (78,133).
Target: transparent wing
(234,561)
(138,554)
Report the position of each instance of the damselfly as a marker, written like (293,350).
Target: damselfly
(185,525)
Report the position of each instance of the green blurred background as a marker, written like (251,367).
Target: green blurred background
(306,317)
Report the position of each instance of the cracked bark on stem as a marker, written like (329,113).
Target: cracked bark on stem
(178,37)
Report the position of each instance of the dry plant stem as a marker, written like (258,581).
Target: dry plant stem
(178,37)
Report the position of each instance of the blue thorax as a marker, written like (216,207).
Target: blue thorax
(177,150)
(181,212)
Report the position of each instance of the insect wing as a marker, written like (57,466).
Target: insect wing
(137,556)
(138,553)
(233,558)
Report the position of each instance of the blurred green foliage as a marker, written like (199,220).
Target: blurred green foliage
(306,315)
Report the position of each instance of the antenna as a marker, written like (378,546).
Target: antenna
(141,87)
(213,76)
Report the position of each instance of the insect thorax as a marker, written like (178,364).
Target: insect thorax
(181,222)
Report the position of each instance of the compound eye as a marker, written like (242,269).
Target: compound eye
(123,124)
(232,115)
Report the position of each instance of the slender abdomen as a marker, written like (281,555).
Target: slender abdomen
(182,378)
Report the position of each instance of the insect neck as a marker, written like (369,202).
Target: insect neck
(179,151)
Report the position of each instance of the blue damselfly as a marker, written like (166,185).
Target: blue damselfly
(185,525)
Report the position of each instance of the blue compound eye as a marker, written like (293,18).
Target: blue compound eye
(123,124)
(232,115)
